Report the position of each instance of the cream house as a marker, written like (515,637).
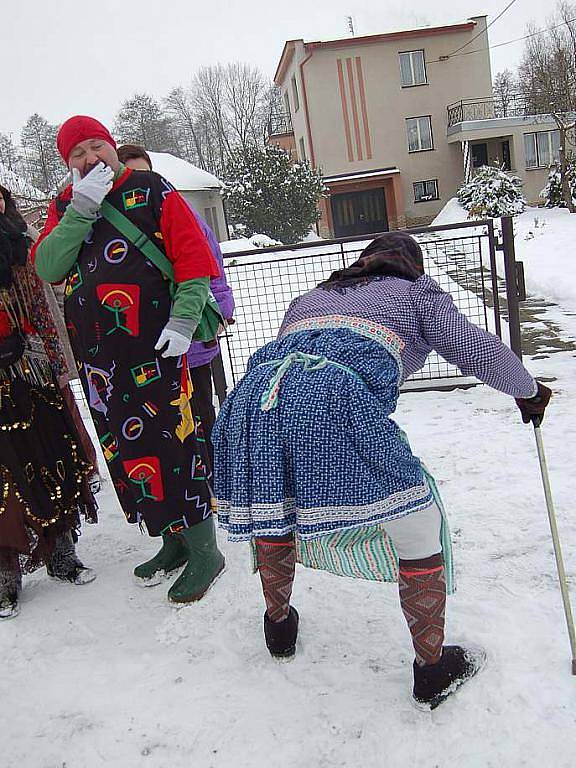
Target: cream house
(397,121)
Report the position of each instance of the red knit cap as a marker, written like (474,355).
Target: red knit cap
(77,129)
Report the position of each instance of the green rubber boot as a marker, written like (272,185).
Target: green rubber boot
(205,562)
(173,555)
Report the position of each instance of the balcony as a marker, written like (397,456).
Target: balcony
(280,124)
(491,108)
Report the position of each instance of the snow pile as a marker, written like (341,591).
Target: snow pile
(544,240)
(182,174)
(452,213)
(248,243)
(312,237)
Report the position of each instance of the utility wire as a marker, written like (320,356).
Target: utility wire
(500,45)
(483,31)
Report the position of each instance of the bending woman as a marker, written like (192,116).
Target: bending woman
(305,445)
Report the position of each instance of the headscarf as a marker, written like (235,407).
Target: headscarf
(394,254)
(77,129)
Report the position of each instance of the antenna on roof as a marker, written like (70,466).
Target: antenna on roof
(350,22)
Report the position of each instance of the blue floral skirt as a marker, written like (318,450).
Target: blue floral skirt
(305,442)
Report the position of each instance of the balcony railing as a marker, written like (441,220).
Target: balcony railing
(513,105)
(280,123)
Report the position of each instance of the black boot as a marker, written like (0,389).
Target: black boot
(10,584)
(281,636)
(433,683)
(9,605)
(64,564)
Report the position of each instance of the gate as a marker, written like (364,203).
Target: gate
(460,257)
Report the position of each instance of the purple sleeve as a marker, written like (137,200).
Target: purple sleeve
(218,285)
(475,351)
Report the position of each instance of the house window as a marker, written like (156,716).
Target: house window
(295,96)
(302,149)
(426,190)
(419,134)
(542,148)
(287,103)
(412,69)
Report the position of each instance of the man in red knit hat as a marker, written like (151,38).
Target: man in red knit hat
(137,269)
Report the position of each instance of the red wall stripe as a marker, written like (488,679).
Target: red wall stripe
(364,108)
(354,109)
(345,111)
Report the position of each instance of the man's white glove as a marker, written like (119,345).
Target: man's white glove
(177,334)
(89,192)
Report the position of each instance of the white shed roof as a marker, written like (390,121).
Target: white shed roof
(185,176)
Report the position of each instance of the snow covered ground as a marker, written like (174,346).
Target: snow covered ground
(545,241)
(112,675)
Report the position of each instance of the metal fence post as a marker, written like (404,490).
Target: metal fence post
(494,278)
(219,378)
(512,296)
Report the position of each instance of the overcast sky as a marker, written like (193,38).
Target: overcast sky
(69,57)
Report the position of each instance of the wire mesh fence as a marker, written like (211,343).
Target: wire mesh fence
(264,283)
(461,258)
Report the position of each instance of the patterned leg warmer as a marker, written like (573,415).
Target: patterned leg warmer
(422,586)
(276,564)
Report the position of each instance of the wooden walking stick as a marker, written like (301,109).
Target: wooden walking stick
(536,421)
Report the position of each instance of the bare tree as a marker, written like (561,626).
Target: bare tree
(181,111)
(547,79)
(227,107)
(141,120)
(41,163)
(8,153)
(232,105)
(504,90)
(249,103)
(209,102)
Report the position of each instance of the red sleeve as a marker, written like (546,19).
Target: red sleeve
(51,222)
(185,244)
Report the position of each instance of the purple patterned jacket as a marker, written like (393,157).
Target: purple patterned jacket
(200,353)
(425,318)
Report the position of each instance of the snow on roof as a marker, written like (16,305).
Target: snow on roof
(18,186)
(185,176)
(361,175)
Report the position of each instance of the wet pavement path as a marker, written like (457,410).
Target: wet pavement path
(547,328)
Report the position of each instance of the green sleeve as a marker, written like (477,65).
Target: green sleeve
(57,252)
(190,298)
